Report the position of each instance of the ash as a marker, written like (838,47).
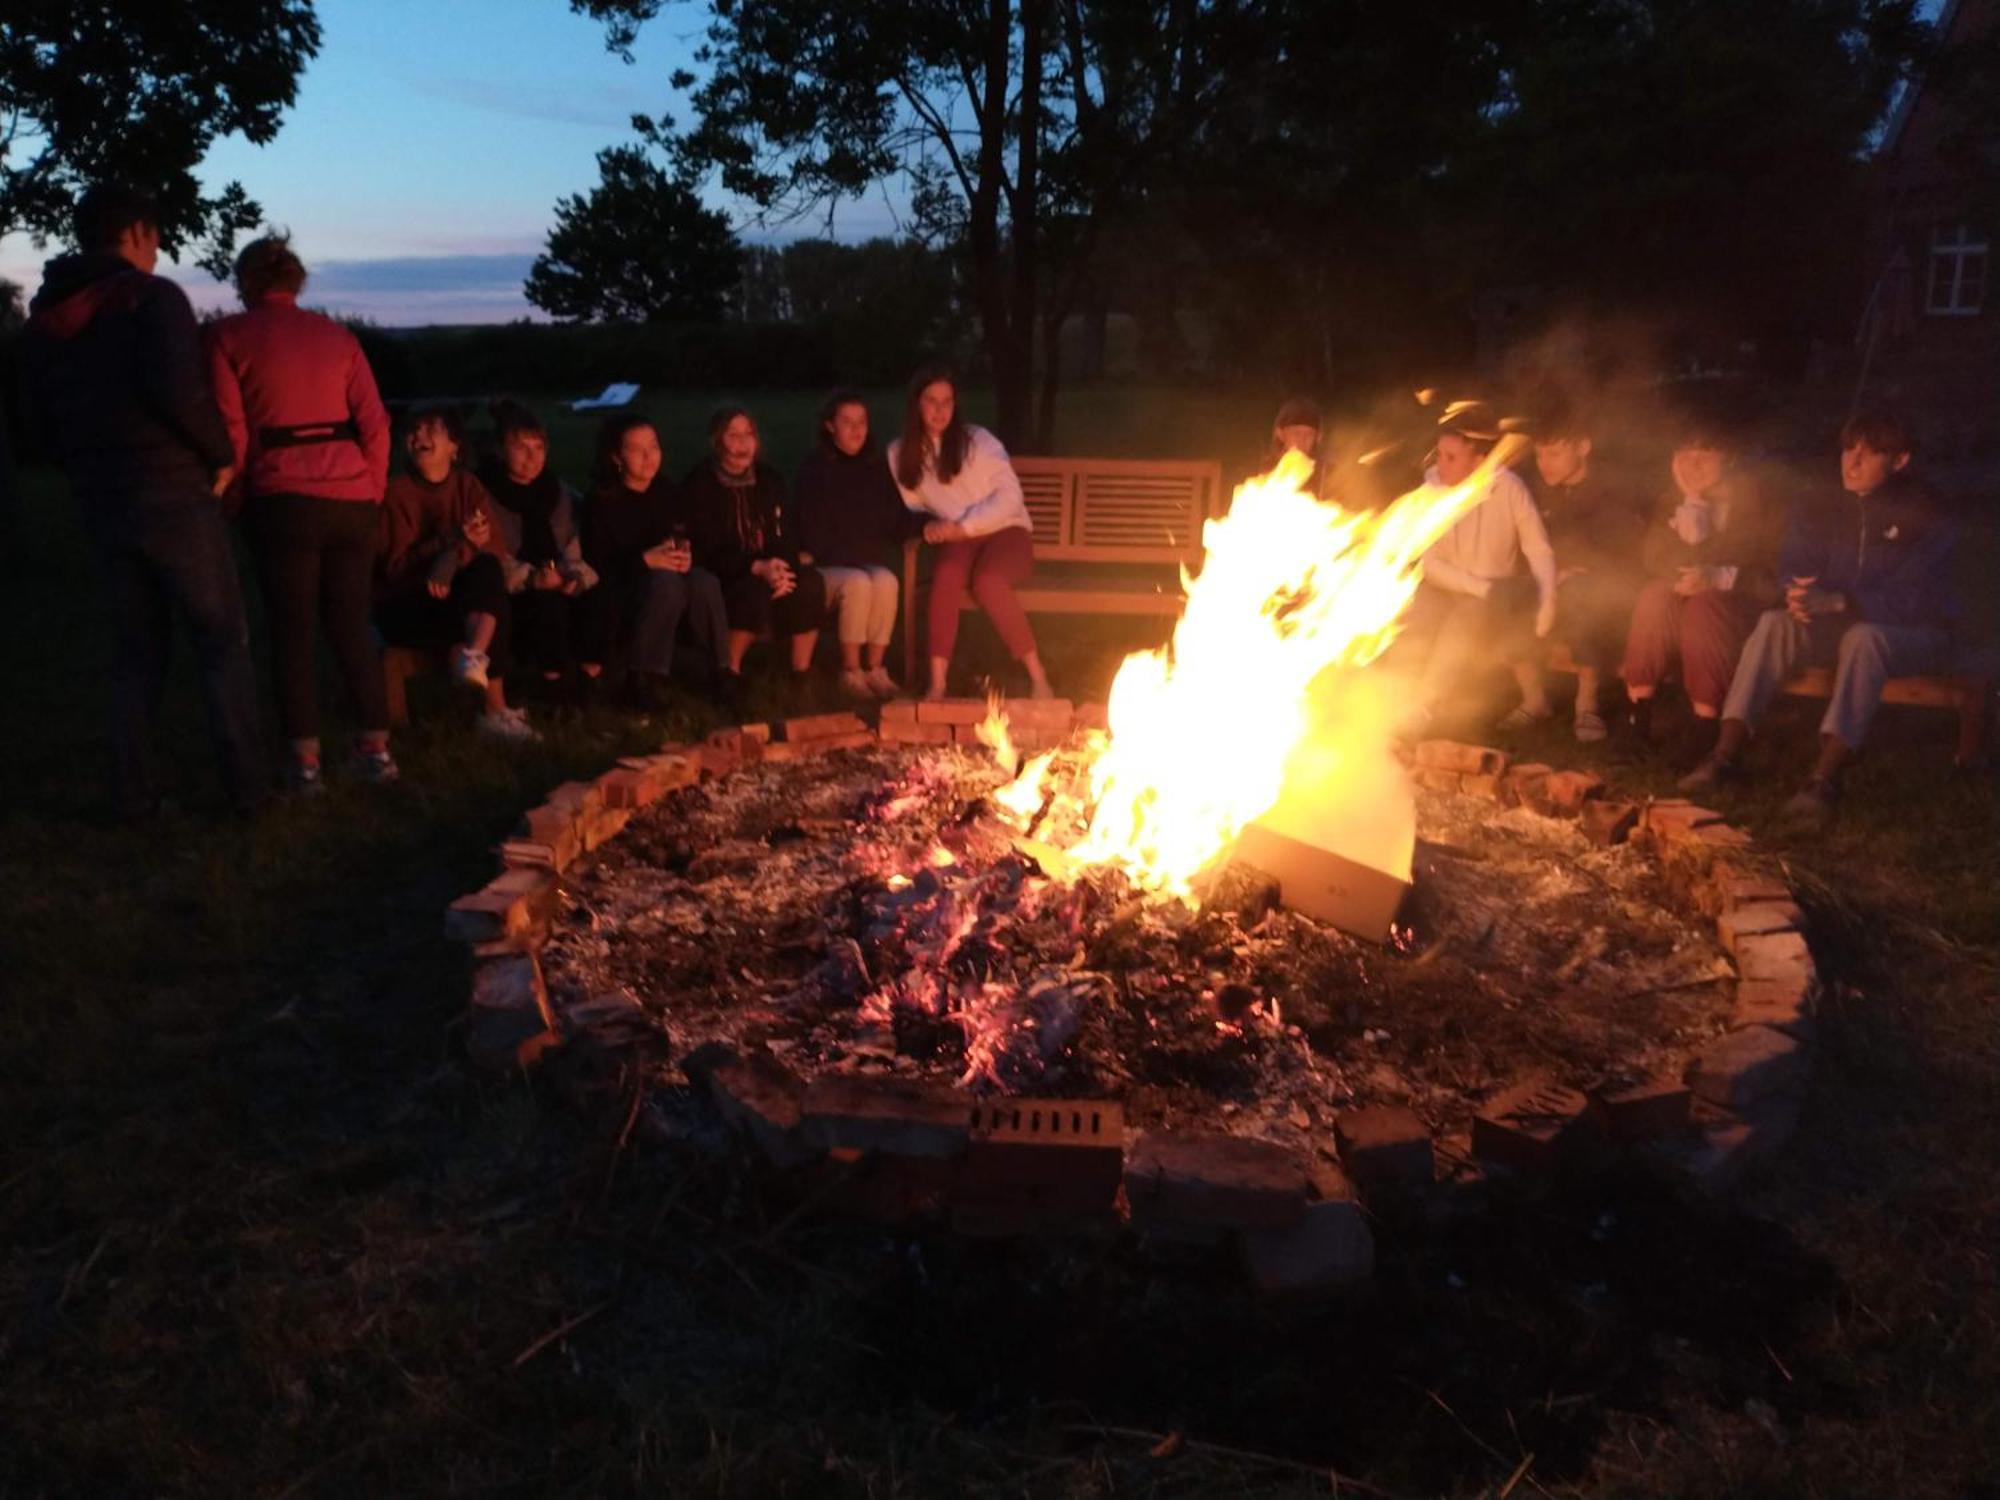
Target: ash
(869,911)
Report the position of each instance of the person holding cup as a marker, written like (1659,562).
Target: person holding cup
(635,536)
(1708,558)
(735,507)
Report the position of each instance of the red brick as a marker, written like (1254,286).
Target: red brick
(821,727)
(1756,919)
(825,744)
(885,1188)
(755,733)
(951,710)
(1469,760)
(526,854)
(576,797)
(1740,1068)
(1532,1126)
(1569,791)
(1782,1004)
(1051,715)
(1210,1182)
(784,751)
(1066,1155)
(1091,716)
(604,824)
(629,789)
(508,1023)
(1481,786)
(1609,823)
(762,1098)
(910,732)
(1643,1111)
(1433,779)
(515,907)
(888,1115)
(1774,955)
(1722,836)
(1385,1145)
(555,829)
(1675,814)
(900,711)
(1736,888)
(1330,1247)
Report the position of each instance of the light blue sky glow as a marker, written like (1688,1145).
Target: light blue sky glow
(419,170)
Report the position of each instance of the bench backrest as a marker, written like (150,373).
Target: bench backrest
(1119,509)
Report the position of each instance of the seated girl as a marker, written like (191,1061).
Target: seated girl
(536,513)
(736,516)
(959,478)
(635,535)
(851,524)
(442,578)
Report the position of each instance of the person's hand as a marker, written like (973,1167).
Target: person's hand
(1796,594)
(477,528)
(572,586)
(548,576)
(1545,618)
(1816,602)
(1693,580)
(777,575)
(443,568)
(939,532)
(224,478)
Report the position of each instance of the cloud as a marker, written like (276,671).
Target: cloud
(423,273)
(403,290)
(598,107)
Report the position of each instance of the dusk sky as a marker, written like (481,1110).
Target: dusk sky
(419,170)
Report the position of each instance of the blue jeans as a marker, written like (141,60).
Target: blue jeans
(159,558)
(1864,658)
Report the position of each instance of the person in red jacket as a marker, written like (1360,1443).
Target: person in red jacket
(312,447)
(444,566)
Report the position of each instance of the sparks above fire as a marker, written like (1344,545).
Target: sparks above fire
(1247,716)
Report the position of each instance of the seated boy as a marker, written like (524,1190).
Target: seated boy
(1472,601)
(443,570)
(1867,585)
(1593,528)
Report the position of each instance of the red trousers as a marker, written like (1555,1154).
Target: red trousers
(992,567)
(1706,631)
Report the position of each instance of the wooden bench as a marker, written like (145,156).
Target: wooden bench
(1111,535)
(1970,695)
(399,665)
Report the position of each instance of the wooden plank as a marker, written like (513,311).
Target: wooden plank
(1817,682)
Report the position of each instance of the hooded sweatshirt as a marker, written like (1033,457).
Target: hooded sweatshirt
(116,382)
(300,403)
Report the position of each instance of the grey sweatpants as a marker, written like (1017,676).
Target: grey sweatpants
(1864,657)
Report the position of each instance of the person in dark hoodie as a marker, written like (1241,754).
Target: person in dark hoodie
(851,522)
(1868,584)
(735,506)
(114,371)
(311,440)
(538,528)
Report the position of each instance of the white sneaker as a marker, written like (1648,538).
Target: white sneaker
(856,684)
(881,684)
(469,666)
(508,724)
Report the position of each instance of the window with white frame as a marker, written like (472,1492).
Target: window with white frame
(1958,272)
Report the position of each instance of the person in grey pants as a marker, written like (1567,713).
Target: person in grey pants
(1868,587)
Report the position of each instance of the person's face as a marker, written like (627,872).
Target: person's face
(1863,469)
(935,403)
(736,444)
(1456,460)
(140,244)
(431,448)
(1562,461)
(1698,470)
(1300,437)
(639,457)
(848,427)
(525,454)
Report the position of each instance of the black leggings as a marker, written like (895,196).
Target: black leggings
(414,618)
(316,559)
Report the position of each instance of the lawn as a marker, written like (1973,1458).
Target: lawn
(261,1233)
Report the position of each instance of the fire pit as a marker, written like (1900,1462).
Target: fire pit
(930,981)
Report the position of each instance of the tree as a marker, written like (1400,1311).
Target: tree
(94,89)
(881,306)
(641,248)
(1022,126)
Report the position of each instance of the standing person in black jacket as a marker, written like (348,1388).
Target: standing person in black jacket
(115,368)
(851,523)
(736,515)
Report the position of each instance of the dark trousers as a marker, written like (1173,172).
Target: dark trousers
(316,558)
(751,607)
(545,631)
(1593,616)
(1454,634)
(160,558)
(414,618)
(638,612)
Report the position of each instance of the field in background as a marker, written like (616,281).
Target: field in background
(260,1233)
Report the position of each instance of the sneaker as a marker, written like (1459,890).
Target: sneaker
(508,724)
(856,684)
(1813,804)
(375,767)
(1590,728)
(303,779)
(881,684)
(469,666)
(1522,717)
(1711,771)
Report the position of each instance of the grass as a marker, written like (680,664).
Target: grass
(261,1233)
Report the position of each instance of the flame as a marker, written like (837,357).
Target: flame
(1208,732)
(992,733)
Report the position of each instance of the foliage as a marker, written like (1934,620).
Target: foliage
(880,306)
(95,89)
(642,247)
